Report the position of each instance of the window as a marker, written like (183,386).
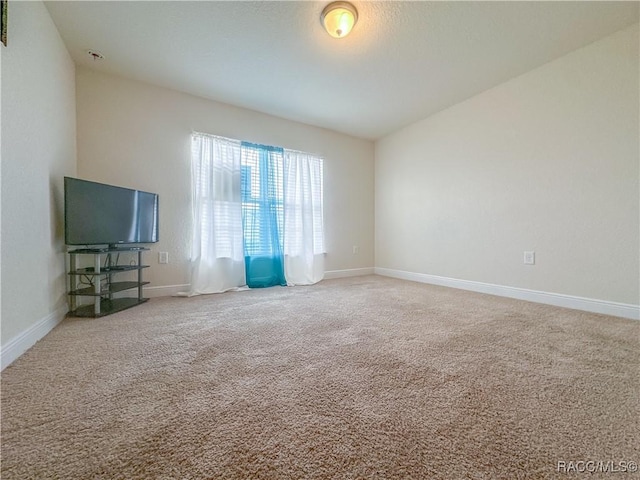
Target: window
(257,207)
(262,198)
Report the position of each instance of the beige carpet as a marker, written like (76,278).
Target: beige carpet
(367,377)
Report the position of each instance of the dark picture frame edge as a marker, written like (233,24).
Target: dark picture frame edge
(3,29)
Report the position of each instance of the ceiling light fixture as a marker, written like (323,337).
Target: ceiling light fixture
(338,18)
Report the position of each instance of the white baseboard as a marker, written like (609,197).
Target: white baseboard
(170,290)
(352,272)
(27,339)
(559,300)
(165,290)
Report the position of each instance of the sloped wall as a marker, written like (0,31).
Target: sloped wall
(546,162)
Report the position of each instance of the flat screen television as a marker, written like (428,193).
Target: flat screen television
(99,214)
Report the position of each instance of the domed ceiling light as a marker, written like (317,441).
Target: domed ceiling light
(338,18)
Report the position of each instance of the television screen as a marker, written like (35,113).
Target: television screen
(97,214)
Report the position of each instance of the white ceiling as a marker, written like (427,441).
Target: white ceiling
(402,62)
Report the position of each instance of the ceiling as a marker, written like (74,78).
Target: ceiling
(402,62)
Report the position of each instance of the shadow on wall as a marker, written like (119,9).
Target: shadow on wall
(57,270)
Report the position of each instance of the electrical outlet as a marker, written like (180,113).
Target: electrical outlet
(356,249)
(529,258)
(163,257)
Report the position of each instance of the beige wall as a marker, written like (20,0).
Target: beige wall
(547,162)
(38,149)
(136,135)
(1,162)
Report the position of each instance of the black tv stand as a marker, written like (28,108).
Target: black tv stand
(89,250)
(102,287)
(111,248)
(124,248)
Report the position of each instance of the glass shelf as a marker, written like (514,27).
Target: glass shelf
(107,307)
(103,271)
(96,251)
(112,288)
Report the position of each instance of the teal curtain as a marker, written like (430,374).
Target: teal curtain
(262,214)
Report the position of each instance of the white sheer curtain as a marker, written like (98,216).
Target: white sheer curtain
(217,256)
(303,219)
